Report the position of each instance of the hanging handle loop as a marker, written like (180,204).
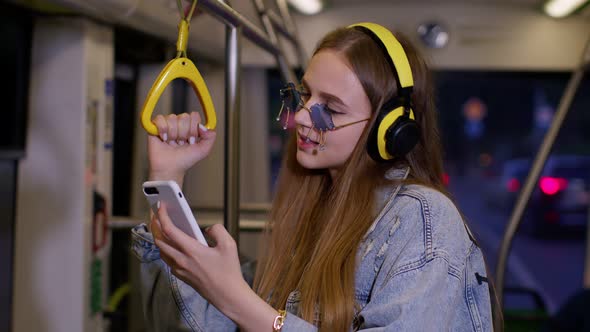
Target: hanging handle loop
(182,40)
(180,67)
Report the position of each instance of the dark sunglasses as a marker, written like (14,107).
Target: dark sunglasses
(321,115)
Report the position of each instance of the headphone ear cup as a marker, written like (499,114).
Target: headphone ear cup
(373,141)
(372,146)
(393,134)
(402,136)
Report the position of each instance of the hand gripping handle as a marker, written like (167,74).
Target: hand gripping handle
(178,68)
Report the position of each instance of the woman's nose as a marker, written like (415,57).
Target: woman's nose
(303,118)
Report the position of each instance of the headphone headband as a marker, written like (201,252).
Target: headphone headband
(394,50)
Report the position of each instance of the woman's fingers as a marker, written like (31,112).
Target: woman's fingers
(213,272)
(167,127)
(195,119)
(172,120)
(177,238)
(179,129)
(184,126)
(206,139)
(156,228)
(162,125)
(169,248)
(177,260)
(221,237)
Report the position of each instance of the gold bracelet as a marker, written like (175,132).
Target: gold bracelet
(279,321)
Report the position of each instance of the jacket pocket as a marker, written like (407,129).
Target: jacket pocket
(477,291)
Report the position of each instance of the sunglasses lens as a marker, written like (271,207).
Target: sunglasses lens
(291,101)
(321,118)
(291,98)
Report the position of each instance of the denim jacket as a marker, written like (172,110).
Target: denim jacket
(417,270)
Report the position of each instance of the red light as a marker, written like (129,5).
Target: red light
(446,178)
(513,185)
(551,186)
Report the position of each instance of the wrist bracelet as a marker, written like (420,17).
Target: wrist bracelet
(277,325)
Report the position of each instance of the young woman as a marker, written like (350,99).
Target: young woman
(361,235)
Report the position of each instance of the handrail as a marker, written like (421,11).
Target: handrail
(231,17)
(586,280)
(244,208)
(236,26)
(292,28)
(287,73)
(277,22)
(533,177)
(231,174)
(246,224)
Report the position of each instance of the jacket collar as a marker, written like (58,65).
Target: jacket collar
(386,195)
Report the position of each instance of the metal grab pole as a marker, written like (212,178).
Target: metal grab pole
(586,281)
(277,23)
(231,195)
(238,25)
(286,72)
(538,164)
(230,17)
(292,28)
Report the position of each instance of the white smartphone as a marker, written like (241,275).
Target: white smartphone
(178,209)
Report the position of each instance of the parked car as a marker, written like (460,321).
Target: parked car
(560,199)
(501,192)
(562,196)
(513,176)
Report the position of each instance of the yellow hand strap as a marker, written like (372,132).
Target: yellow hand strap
(180,67)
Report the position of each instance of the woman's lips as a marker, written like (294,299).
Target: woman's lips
(304,142)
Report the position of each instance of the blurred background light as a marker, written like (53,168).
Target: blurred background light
(307,7)
(563,8)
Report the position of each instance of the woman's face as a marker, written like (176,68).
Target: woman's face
(329,80)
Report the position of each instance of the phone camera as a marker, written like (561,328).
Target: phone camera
(180,194)
(151,191)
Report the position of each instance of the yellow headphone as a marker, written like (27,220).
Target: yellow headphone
(395,131)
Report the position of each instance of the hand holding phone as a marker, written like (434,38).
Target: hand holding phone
(176,205)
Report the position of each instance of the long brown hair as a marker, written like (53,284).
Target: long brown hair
(318,222)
